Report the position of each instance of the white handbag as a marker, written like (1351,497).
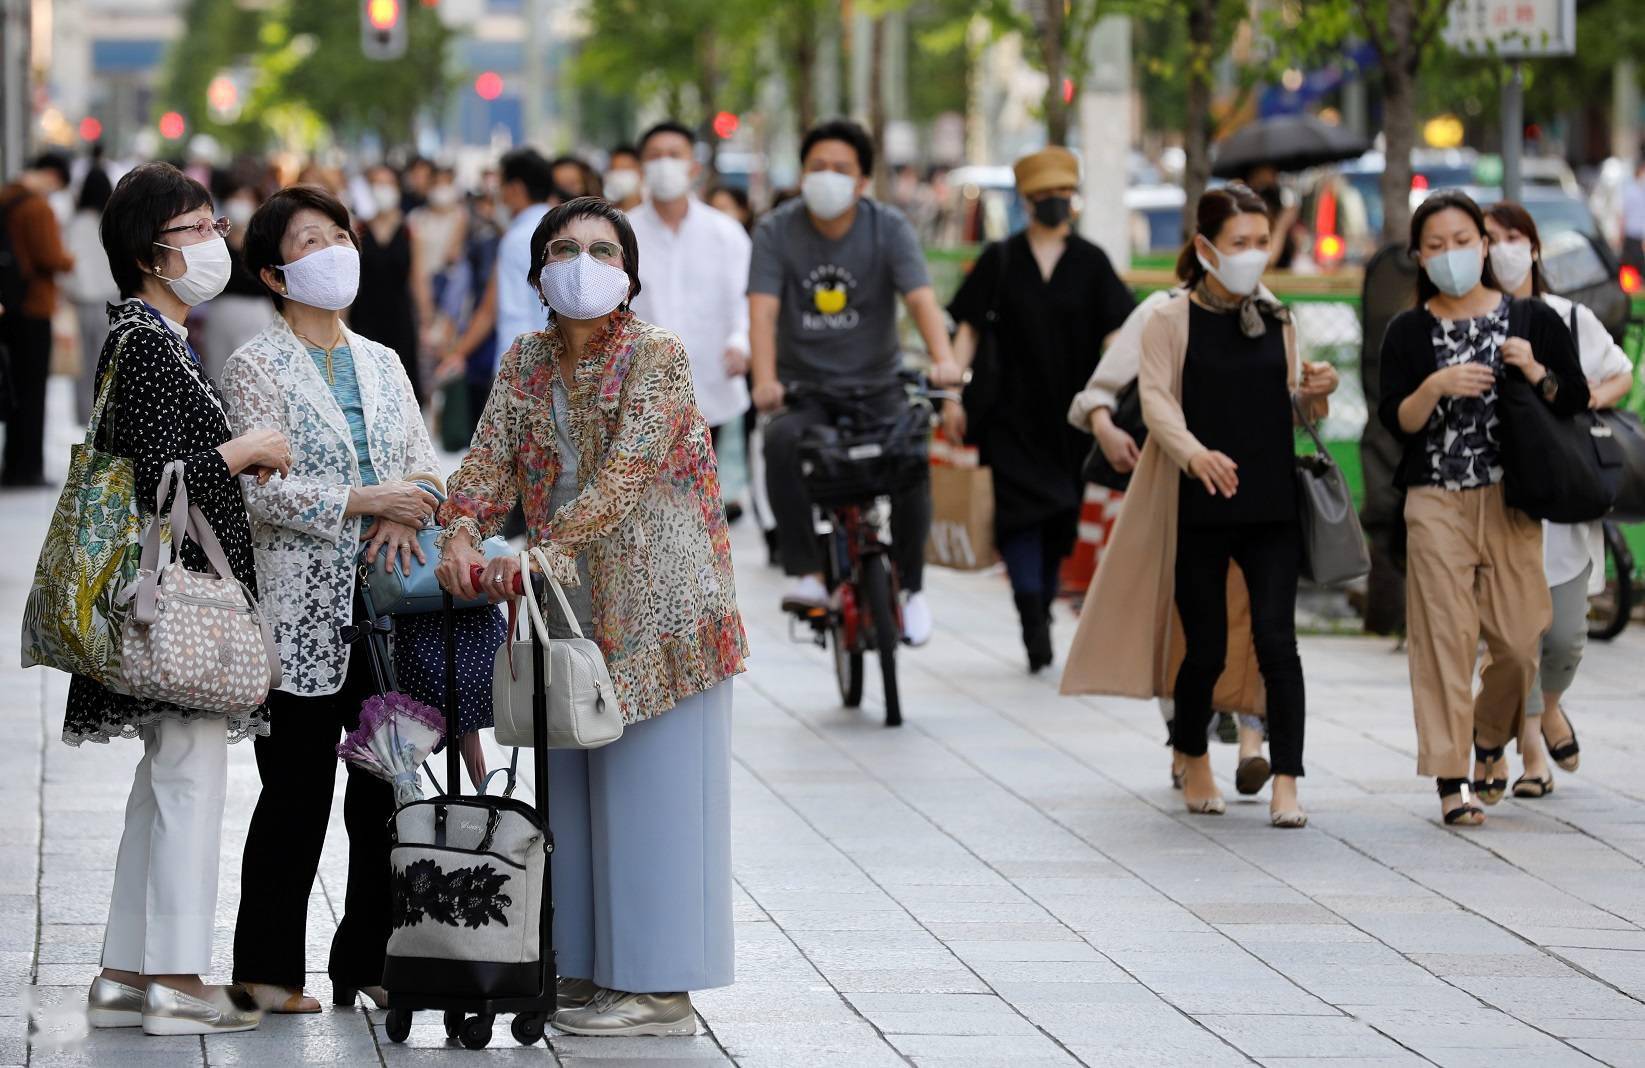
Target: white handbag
(194,639)
(582,702)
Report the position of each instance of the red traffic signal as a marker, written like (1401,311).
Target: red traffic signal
(489,85)
(726,124)
(382,14)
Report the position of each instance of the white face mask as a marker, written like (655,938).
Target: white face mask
(443,196)
(620,185)
(1457,271)
(326,279)
(206,269)
(1511,262)
(583,288)
(238,211)
(828,194)
(1239,272)
(667,178)
(386,197)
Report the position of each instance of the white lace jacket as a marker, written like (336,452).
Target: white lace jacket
(305,544)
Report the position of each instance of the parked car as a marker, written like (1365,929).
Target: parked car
(984,206)
(1342,206)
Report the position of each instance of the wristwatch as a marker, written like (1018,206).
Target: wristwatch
(1549,386)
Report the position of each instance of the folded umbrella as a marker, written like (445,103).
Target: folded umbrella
(395,735)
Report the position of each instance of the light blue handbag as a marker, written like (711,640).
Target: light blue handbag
(393,592)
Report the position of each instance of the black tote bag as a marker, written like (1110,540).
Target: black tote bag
(1553,465)
(1127,416)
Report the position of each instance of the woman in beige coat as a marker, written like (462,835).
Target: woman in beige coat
(1131,640)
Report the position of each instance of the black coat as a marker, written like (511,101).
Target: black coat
(163,408)
(1050,334)
(1408,359)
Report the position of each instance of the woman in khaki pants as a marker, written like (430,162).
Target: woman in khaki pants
(1474,564)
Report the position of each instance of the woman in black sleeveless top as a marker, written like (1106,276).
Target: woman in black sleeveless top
(389,304)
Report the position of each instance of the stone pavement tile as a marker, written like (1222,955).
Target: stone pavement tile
(868,1003)
(1274,999)
(1426,1030)
(1524,964)
(831,919)
(1618,1052)
(1317,936)
(748,1000)
(801,1057)
(1098,971)
(1300,1036)
(1575,997)
(1629,1029)
(1028,996)
(986,931)
(845,1042)
(997,950)
(1551,1054)
(1278,913)
(653,1052)
(982,1051)
(1585,937)
(1400,1061)
(950,980)
(930,1022)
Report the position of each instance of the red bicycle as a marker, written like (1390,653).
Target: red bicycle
(851,465)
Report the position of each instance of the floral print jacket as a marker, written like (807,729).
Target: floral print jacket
(648,515)
(306,543)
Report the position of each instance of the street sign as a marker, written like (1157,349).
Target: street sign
(1513,29)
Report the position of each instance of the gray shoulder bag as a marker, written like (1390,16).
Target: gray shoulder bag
(1333,545)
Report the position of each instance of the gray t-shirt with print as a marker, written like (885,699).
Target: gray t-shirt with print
(838,322)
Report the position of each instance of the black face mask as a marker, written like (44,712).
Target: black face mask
(1053,211)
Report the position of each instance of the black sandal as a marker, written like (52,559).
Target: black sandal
(1490,791)
(1529,786)
(1465,814)
(1567,754)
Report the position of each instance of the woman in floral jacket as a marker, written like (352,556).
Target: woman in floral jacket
(594,427)
(360,446)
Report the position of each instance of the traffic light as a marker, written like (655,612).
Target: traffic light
(382,29)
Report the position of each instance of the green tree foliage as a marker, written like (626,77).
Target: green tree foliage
(304,76)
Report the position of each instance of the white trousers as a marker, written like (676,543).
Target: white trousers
(164,909)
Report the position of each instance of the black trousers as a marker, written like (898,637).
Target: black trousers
(298,765)
(1269,554)
(29,343)
(791,504)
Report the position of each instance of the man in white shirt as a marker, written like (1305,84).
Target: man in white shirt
(510,304)
(694,274)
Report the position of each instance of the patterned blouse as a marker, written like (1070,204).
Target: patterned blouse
(1461,443)
(648,516)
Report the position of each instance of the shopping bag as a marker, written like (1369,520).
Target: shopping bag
(962,516)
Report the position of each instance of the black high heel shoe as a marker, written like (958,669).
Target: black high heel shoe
(345,996)
(1465,814)
(1490,790)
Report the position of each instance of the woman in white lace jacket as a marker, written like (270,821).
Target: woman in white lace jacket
(357,440)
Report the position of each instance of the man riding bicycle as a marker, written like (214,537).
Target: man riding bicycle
(822,288)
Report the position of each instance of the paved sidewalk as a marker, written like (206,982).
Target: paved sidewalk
(1008,879)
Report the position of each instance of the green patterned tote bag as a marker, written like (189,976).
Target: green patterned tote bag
(76,607)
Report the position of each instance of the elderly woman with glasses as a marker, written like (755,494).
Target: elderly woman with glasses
(593,426)
(156,406)
(361,447)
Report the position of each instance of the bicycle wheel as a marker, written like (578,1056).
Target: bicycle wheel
(876,591)
(847,667)
(1608,610)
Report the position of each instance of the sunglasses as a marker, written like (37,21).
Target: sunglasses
(203,229)
(564,248)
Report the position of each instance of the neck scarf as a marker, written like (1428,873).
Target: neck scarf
(1250,308)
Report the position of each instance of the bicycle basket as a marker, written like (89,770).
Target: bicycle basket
(853,464)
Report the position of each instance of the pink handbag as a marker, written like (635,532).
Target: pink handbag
(194,639)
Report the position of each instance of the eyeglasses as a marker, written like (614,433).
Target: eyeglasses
(204,228)
(564,248)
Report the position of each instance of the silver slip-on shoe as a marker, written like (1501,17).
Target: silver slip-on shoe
(172,1012)
(615,1013)
(575,993)
(112,1004)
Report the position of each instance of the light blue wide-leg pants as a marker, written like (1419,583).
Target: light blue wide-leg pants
(642,852)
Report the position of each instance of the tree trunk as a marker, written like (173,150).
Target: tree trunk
(800,52)
(876,104)
(1398,119)
(1196,138)
(1050,24)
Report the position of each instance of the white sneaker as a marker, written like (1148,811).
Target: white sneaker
(916,619)
(805,594)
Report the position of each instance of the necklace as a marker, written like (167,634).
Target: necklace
(331,376)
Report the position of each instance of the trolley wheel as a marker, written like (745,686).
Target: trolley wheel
(398,1025)
(1608,611)
(454,1023)
(876,590)
(847,668)
(476,1033)
(528,1027)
